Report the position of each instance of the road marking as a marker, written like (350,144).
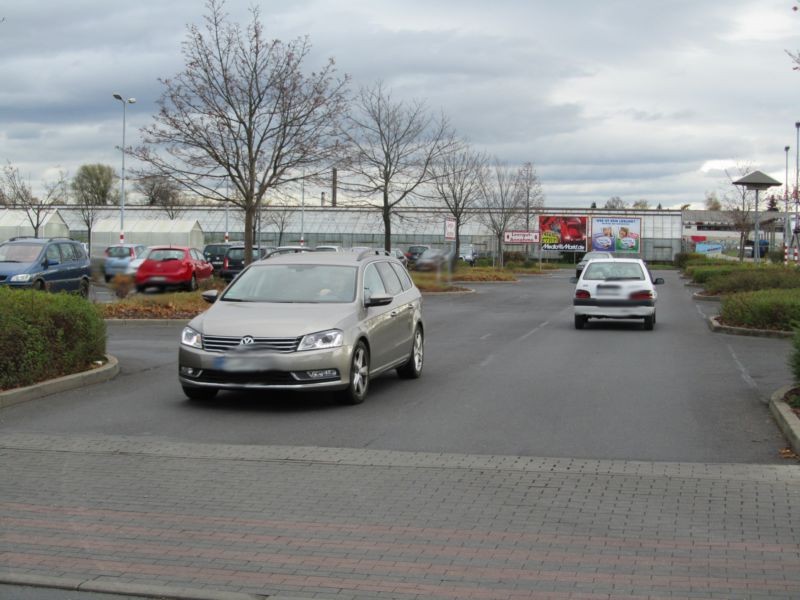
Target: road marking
(483,337)
(532,331)
(487,360)
(742,370)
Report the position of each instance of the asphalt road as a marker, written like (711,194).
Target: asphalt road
(505,373)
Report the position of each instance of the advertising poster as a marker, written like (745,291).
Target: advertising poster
(617,234)
(567,234)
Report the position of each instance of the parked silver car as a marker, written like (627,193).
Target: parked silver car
(306,321)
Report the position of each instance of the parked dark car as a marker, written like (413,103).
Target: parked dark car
(433,259)
(233,263)
(414,252)
(51,264)
(215,253)
(172,266)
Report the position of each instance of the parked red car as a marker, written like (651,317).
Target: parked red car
(170,266)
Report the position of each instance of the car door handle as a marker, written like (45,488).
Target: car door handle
(394,313)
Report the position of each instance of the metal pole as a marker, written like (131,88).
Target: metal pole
(786,233)
(227,200)
(756,241)
(122,194)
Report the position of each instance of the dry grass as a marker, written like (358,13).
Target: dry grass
(177,305)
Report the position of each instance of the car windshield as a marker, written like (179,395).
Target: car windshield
(119,252)
(23,253)
(613,271)
(417,248)
(165,254)
(294,283)
(594,255)
(238,253)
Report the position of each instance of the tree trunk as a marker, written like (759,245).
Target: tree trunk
(387,224)
(500,250)
(248,234)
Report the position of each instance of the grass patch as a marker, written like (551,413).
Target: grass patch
(479,274)
(703,273)
(776,310)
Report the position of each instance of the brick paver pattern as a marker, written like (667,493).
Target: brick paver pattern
(356,524)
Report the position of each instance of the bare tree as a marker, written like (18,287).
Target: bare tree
(93,188)
(278,215)
(502,201)
(615,203)
(162,192)
(531,189)
(16,193)
(738,201)
(393,147)
(243,111)
(457,181)
(712,202)
(641,204)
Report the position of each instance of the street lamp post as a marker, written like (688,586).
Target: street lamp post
(786,227)
(757,181)
(122,181)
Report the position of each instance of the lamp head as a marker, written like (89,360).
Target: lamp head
(786,148)
(131,100)
(118,97)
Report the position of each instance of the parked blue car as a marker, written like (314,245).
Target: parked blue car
(119,257)
(51,264)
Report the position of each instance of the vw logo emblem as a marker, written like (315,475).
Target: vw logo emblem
(246,341)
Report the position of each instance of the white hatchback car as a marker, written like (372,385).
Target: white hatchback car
(615,288)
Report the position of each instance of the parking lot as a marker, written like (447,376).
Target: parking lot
(531,460)
(505,373)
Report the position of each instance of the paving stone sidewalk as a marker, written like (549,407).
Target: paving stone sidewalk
(356,524)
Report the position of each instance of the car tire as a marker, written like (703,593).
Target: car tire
(413,368)
(356,392)
(580,321)
(140,289)
(83,288)
(39,285)
(198,393)
(192,285)
(649,322)
(109,278)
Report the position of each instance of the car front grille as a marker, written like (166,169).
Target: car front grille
(215,343)
(245,378)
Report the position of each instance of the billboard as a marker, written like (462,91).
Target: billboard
(521,237)
(564,233)
(617,234)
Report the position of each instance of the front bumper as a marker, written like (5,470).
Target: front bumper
(614,309)
(257,370)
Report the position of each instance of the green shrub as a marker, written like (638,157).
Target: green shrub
(794,357)
(775,257)
(704,273)
(683,258)
(765,309)
(46,335)
(751,280)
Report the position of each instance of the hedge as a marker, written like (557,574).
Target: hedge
(751,280)
(765,309)
(794,357)
(704,273)
(44,335)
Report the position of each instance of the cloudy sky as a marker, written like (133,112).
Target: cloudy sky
(641,99)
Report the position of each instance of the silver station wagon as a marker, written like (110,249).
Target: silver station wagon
(306,321)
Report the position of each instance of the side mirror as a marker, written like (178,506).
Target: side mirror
(658,281)
(379,300)
(573,280)
(210,296)
(49,263)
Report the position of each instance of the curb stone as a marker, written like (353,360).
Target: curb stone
(705,298)
(61,384)
(125,589)
(717,327)
(788,421)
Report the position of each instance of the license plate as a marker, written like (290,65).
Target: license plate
(158,279)
(608,290)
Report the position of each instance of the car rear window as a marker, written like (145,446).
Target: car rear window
(167,254)
(118,252)
(605,271)
(294,284)
(23,253)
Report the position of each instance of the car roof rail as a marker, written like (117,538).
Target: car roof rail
(23,237)
(372,252)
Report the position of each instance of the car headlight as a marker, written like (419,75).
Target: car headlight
(333,338)
(190,337)
(21,277)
